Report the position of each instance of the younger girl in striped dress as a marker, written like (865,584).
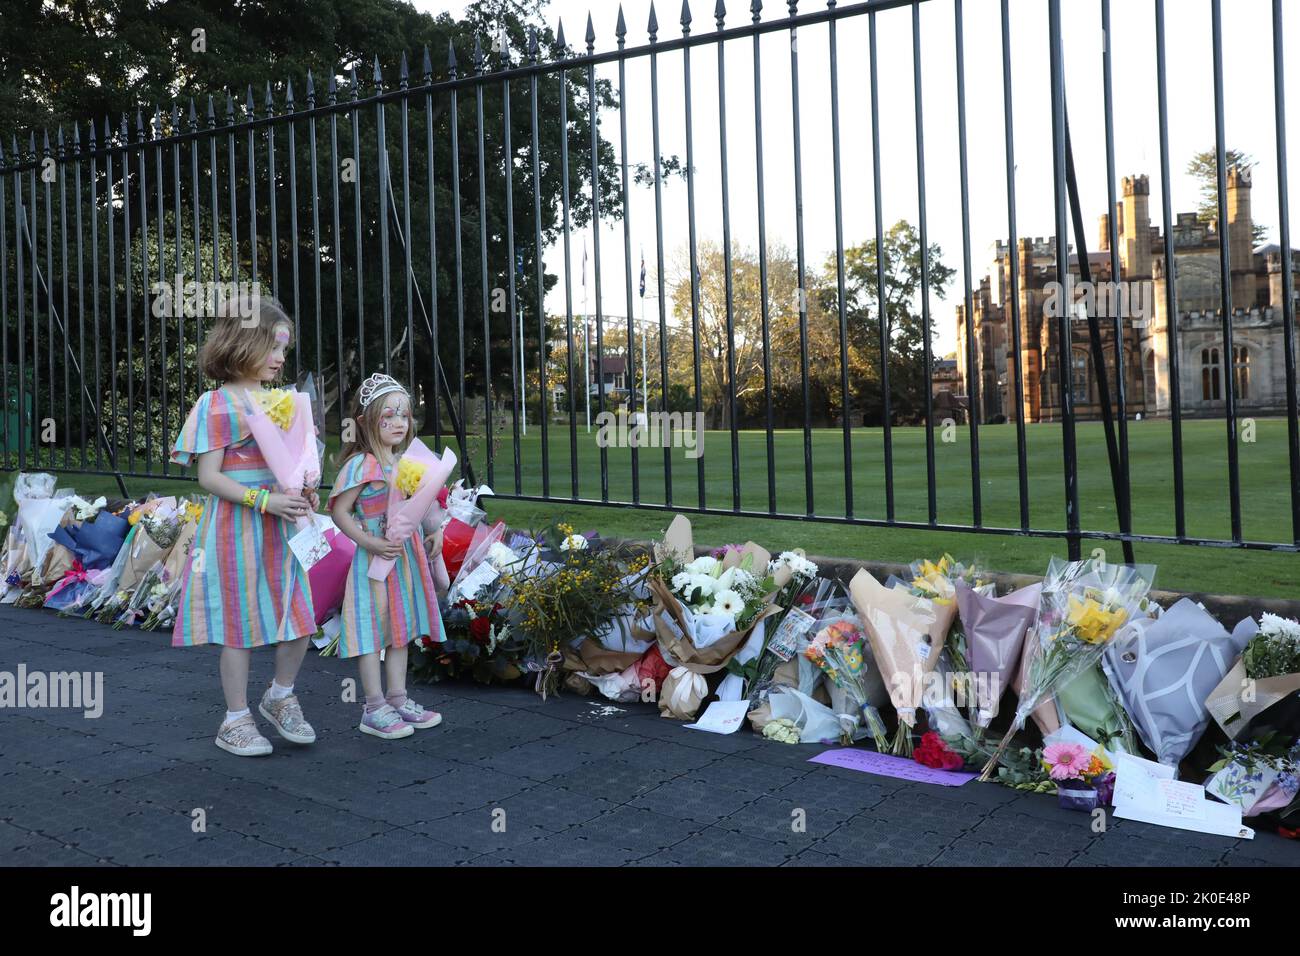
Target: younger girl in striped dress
(403,607)
(243,587)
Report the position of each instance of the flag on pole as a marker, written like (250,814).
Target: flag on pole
(643,273)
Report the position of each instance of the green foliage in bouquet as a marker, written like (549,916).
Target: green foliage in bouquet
(1269,749)
(576,594)
(1021,769)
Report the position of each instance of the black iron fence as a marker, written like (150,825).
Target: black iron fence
(405,226)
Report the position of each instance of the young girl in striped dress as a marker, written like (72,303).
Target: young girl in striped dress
(403,607)
(243,587)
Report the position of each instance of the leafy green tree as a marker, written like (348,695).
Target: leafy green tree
(1204,168)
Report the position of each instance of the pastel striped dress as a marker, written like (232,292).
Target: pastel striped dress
(242,586)
(404,606)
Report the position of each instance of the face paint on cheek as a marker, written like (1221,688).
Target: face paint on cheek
(281,336)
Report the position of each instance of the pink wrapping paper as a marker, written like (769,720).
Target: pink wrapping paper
(406,514)
(328,577)
(291,455)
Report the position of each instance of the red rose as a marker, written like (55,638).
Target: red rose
(480,629)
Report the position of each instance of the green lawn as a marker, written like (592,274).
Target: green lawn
(1264,494)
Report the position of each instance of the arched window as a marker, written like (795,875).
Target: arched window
(1210,388)
(1079,384)
(1241,371)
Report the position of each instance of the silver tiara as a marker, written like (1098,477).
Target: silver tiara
(377,386)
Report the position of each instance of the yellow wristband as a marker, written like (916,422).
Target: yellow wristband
(250,497)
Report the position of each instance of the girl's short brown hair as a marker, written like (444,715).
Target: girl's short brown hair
(242,336)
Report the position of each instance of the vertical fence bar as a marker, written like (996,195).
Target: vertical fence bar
(250,114)
(176,248)
(94,280)
(728,279)
(840,291)
(162,278)
(539,266)
(126,268)
(433,252)
(972,367)
(212,180)
(403,83)
(144,294)
(195,203)
(337,250)
(695,259)
(1225,270)
(756,11)
(620,33)
(315,237)
(20,222)
(653,28)
(593,122)
(47,448)
(4,316)
(293,229)
(480,70)
(1288,302)
(800,257)
(1013,256)
(1062,265)
(456,231)
(1171,296)
(362,369)
(272,215)
(65,338)
(517,384)
(381,137)
(882,300)
(110,193)
(230,175)
(568,268)
(1121,379)
(923,236)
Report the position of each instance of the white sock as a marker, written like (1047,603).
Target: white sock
(233,715)
(279,693)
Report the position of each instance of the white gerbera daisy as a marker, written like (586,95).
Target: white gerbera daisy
(728,602)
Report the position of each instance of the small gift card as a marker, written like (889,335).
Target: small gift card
(785,642)
(476,580)
(1242,783)
(310,545)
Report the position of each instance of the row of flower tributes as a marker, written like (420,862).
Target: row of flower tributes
(1050,688)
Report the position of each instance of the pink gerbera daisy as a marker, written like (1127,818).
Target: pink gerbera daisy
(1066,761)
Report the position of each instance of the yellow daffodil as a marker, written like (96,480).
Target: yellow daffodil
(278,405)
(409,475)
(1092,621)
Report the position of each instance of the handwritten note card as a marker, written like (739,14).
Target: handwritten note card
(883,765)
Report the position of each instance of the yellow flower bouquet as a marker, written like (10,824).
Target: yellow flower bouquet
(279,406)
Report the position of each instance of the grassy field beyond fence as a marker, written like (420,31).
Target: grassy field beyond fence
(1265,494)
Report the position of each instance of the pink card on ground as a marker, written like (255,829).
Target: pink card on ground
(884,765)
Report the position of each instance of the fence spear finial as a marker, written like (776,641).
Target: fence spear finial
(176,118)
(332,88)
(534,50)
(194,117)
(480,63)
(355,87)
(311,91)
(403,77)
(249,105)
(58,140)
(230,109)
(379,75)
(620,28)
(451,58)
(720,13)
(686,17)
(653,26)
(794,7)
(591,35)
(756,8)
(288,95)
(76,137)
(139,125)
(427,66)
(559,38)
(270,100)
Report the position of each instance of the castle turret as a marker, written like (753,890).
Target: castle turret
(1135,227)
(1241,237)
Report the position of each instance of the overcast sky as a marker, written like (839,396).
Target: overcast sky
(1248,101)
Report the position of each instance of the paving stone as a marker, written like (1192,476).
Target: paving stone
(714,846)
(738,773)
(611,779)
(553,808)
(831,791)
(694,800)
(461,788)
(774,818)
(474,832)
(394,848)
(538,760)
(868,841)
(815,858)
(662,755)
(219,847)
(637,828)
(1112,849)
(562,849)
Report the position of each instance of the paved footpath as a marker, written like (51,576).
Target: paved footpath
(578,785)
